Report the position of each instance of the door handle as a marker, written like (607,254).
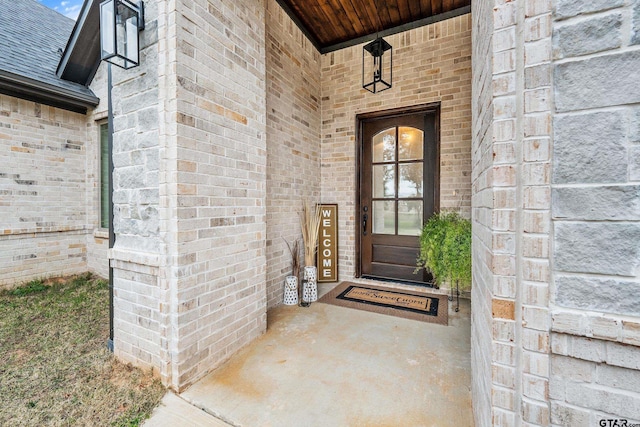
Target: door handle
(365,217)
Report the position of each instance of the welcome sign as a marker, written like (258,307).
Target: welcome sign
(328,244)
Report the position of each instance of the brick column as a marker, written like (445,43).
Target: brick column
(511,212)
(533,255)
(190,186)
(217,184)
(139,305)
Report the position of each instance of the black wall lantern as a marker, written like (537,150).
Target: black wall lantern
(377,66)
(120,23)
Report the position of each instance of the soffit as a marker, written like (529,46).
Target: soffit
(81,57)
(334,24)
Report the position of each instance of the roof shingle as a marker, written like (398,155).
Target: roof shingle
(32,38)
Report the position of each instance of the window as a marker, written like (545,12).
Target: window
(104,175)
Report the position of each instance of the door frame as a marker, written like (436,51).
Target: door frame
(428,108)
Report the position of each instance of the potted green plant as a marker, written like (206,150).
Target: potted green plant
(310,224)
(291,281)
(445,250)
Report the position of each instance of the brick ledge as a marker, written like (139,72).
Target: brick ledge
(134,257)
(595,350)
(41,230)
(594,325)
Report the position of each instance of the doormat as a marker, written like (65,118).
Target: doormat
(395,302)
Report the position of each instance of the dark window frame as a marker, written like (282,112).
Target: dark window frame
(103,172)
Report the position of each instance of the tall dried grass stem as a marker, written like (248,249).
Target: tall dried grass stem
(294,250)
(310,225)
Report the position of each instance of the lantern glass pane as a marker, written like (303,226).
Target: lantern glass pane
(107,25)
(131,45)
(121,35)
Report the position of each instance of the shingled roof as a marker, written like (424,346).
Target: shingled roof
(32,39)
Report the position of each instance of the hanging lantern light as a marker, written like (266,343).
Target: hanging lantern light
(377,66)
(120,23)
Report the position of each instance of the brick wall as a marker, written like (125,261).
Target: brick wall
(511,212)
(50,190)
(563,345)
(431,63)
(595,364)
(293,139)
(43,191)
(219,246)
(482,329)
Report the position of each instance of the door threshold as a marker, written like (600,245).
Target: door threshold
(400,281)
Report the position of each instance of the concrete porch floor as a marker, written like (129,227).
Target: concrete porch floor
(332,366)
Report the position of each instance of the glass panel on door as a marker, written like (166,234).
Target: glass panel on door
(384,146)
(410,180)
(397,181)
(384,217)
(384,181)
(409,217)
(410,146)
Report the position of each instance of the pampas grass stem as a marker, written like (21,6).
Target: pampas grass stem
(294,250)
(310,224)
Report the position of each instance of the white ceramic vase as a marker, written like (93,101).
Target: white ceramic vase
(291,290)
(310,285)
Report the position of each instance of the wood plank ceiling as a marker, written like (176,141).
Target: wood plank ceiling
(335,24)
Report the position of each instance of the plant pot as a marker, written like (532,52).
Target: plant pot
(291,290)
(310,285)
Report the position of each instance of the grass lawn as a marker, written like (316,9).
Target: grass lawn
(55,368)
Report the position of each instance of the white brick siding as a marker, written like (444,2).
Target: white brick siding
(293,139)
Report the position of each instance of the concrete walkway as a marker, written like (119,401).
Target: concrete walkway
(333,366)
(176,412)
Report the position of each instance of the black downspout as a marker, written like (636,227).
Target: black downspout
(112,236)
